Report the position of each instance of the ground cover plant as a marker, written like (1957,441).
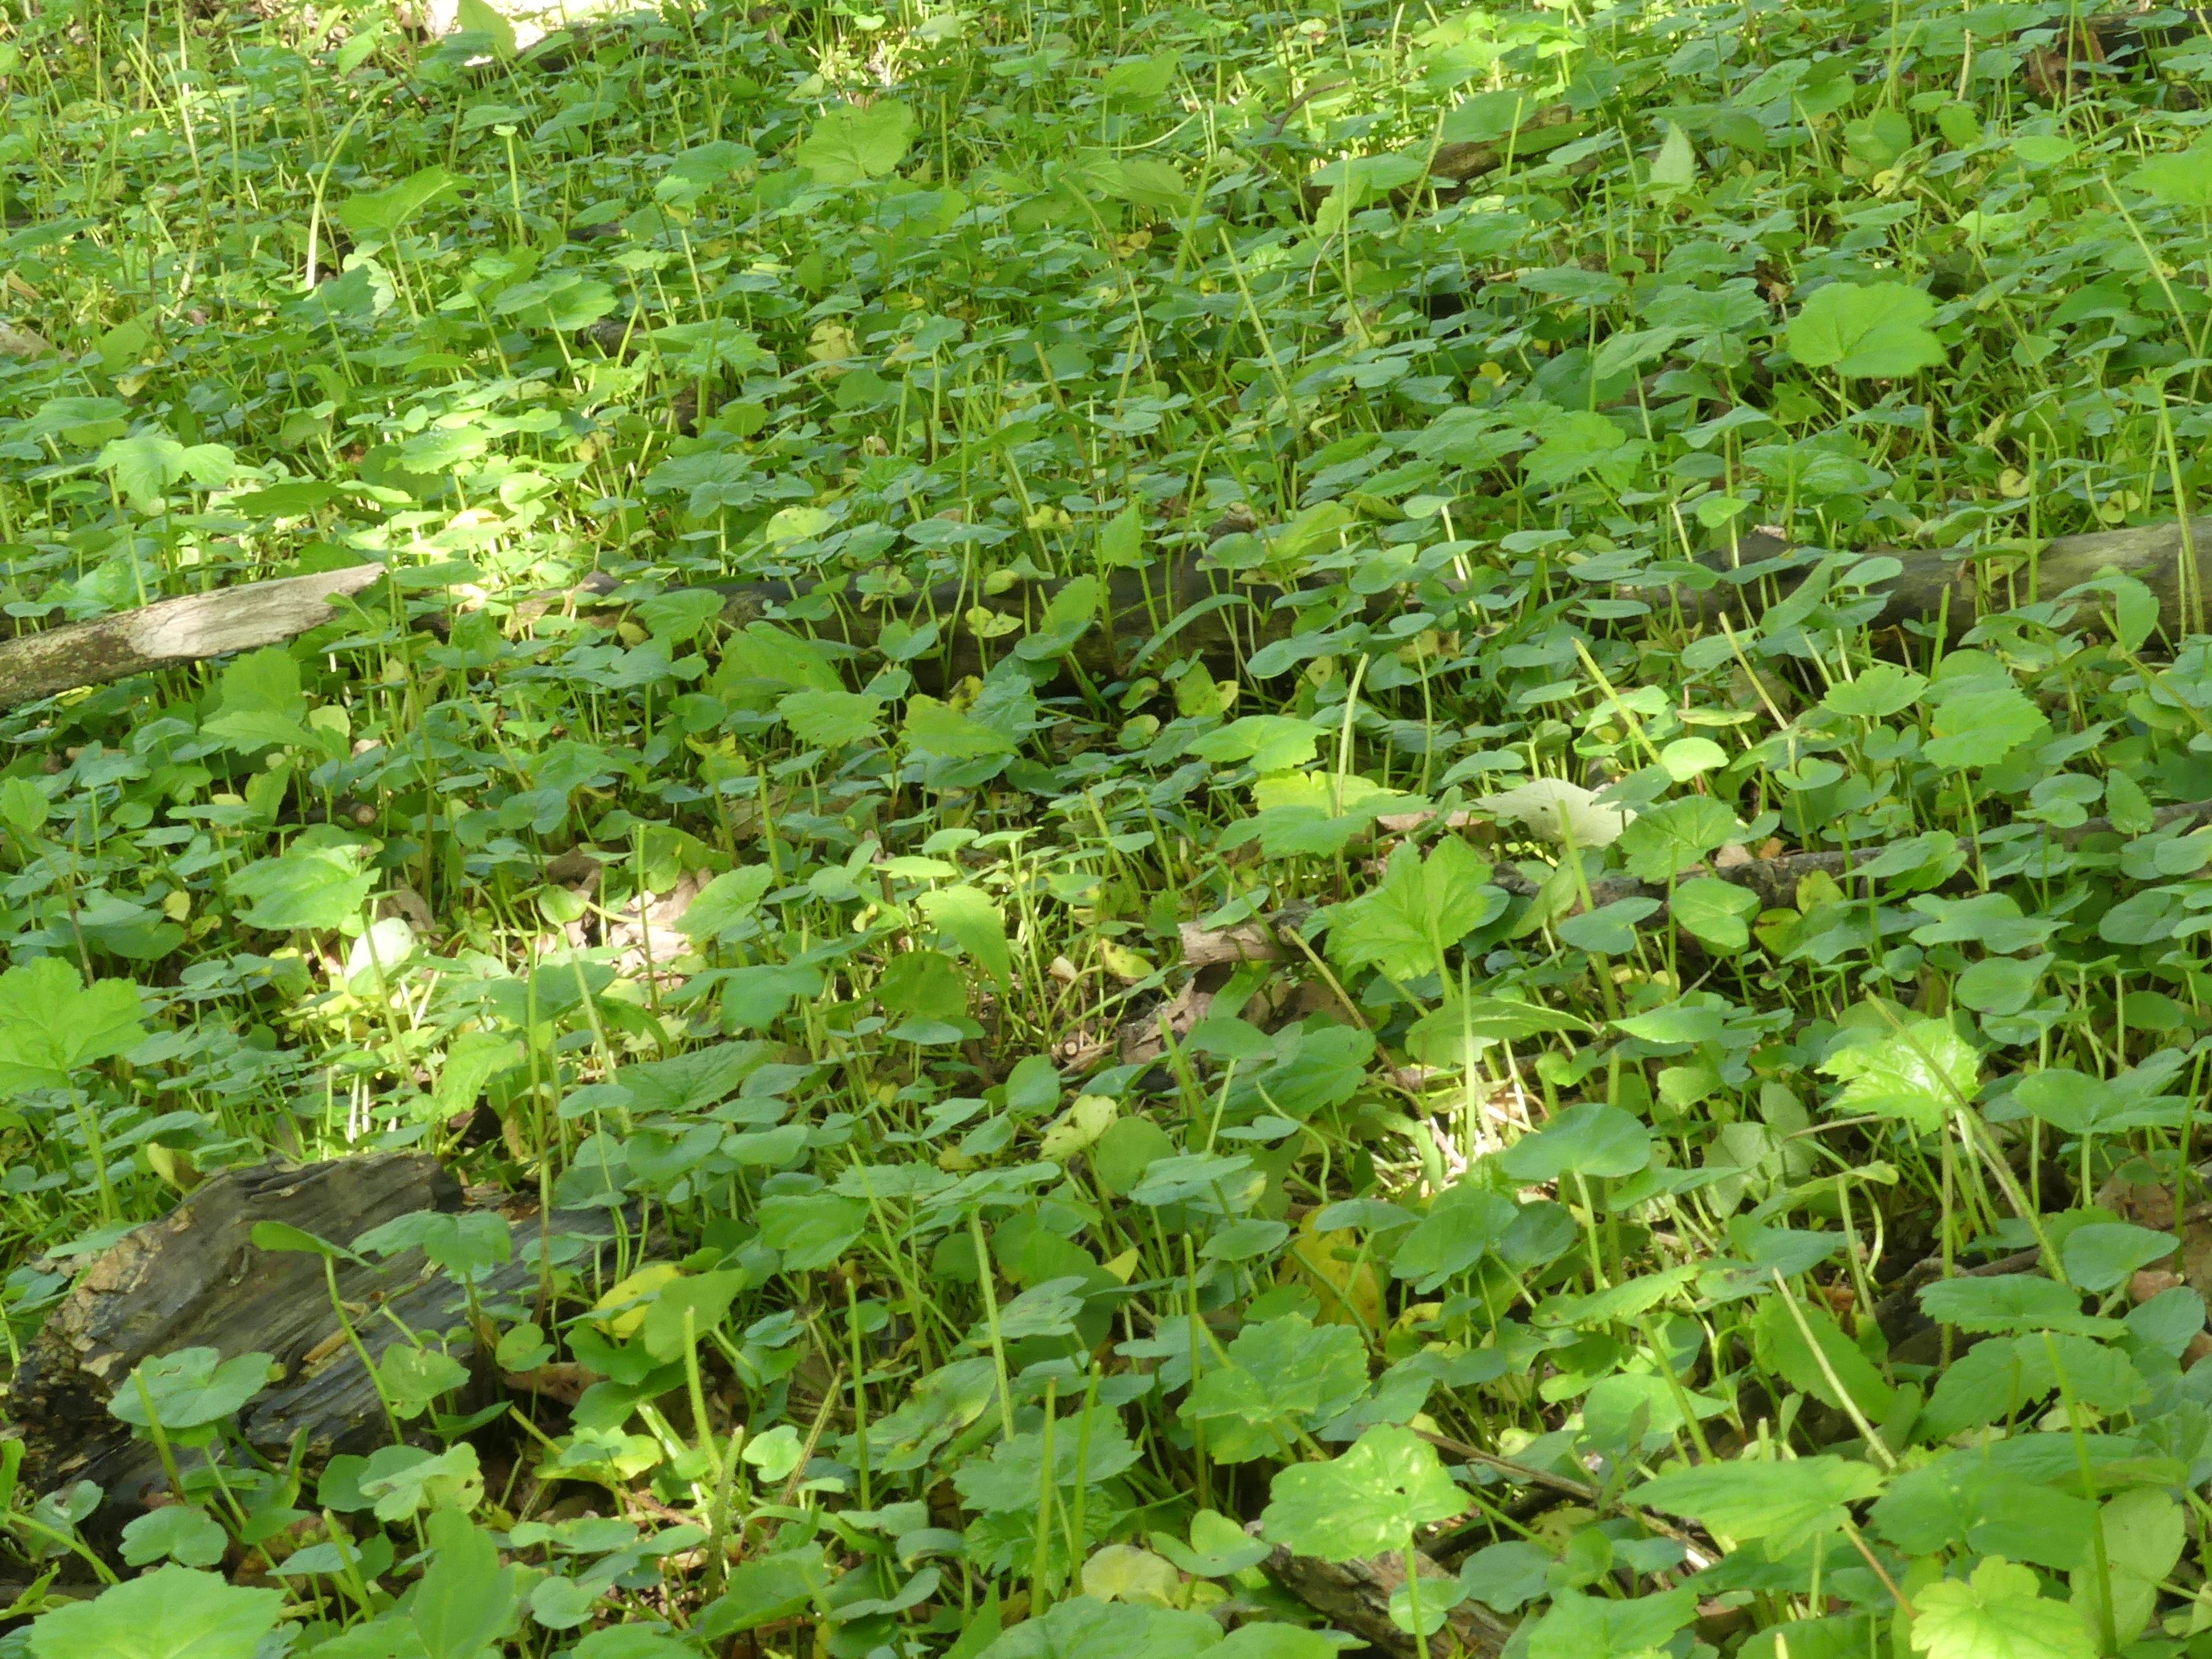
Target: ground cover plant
(1303,952)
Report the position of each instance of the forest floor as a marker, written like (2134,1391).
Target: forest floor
(1387,848)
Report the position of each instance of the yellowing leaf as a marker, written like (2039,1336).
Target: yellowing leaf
(640,1286)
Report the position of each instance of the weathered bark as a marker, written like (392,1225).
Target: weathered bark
(195,1279)
(2152,554)
(171,631)
(1355,1597)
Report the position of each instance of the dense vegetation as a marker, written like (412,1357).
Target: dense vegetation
(1295,1061)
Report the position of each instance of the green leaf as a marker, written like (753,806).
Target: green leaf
(2145,1531)
(831,720)
(1871,330)
(1217,1547)
(1743,1500)
(191,1388)
(404,1480)
(764,1590)
(1670,837)
(1997,1614)
(480,17)
(1273,742)
(178,1532)
(940,729)
(1980,728)
(2004,1303)
(1084,1627)
(1676,167)
(1283,1375)
(1364,1503)
(1580,1626)
(2104,1255)
(567,301)
(1444,1036)
(382,212)
(2001,985)
(24,806)
(2183,180)
(1467,1221)
(415,1379)
(466,1600)
(1780,1347)
(1592,1139)
(262,703)
(849,146)
(1880,689)
(1012,1478)
(1129,1147)
(1921,1075)
(53,1025)
(1421,907)
(704,1298)
(1716,914)
(1506,1576)
(966,916)
(171,1613)
(1609,930)
(811,1229)
(306,887)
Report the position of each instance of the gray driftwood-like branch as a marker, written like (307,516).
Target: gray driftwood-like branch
(1168,608)
(172,631)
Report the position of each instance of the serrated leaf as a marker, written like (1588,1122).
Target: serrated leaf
(1743,1499)
(52,1024)
(1366,1502)
(1421,908)
(850,145)
(1920,1074)
(1866,330)
(1998,1614)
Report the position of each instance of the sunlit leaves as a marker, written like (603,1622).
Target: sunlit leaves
(1872,331)
(52,1024)
(1422,907)
(1365,1502)
(171,1613)
(306,887)
(384,212)
(1673,836)
(1997,1613)
(851,144)
(1920,1074)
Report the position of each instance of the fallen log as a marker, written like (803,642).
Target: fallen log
(195,1278)
(2173,561)
(1173,606)
(1355,1597)
(172,631)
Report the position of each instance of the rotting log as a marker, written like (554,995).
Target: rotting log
(195,1279)
(2152,554)
(1355,1597)
(172,631)
(1168,608)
